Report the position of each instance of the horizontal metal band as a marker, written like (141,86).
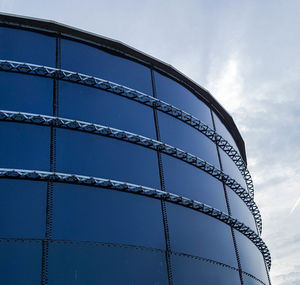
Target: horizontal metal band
(96,129)
(137,96)
(141,190)
(127,246)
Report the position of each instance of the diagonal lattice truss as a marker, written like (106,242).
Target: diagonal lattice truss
(96,129)
(141,190)
(140,97)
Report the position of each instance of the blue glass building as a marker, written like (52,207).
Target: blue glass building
(116,168)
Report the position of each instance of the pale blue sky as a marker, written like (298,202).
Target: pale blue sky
(246,53)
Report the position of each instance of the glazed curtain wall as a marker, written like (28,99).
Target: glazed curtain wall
(56,231)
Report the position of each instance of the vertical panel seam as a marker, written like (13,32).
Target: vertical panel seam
(228,209)
(163,188)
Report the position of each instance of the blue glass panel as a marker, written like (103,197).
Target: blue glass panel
(26,93)
(187,180)
(240,210)
(222,130)
(198,234)
(81,213)
(93,155)
(179,134)
(96,62)
(22,208)
(24,146)
(231,169)
(251,258)
(74,263)
(251,281)
(175,94)
(20,262)
(96,106)
(192,271)
(26,46)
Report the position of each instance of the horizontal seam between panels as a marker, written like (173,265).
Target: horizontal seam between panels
(141,190)
(139,97)
(43,120)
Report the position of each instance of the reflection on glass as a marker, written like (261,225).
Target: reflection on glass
(251,258)
(179,134)
(188,181)
(81,213)
(20,262)
(93,155)
(100,107)
(175,94)
(26,93)
(192,271)
(26,46)
(17,218)
(222,130)
(198,234)
(24,146)
(98,63)
(83,263)
(231,169)
(240,210)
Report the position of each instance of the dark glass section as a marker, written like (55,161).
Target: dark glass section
(194,233)
(191,271)
(20,262)
(181,135)
(100,107)
(83,263)
(26,46)
(98,63)
(240,210)
(93,155)
(22,208)
(231,169)
(24,146)
(26,93)
(175,94)
(251,281)
(95,214)
(251,258)
(188,181)
(222,130)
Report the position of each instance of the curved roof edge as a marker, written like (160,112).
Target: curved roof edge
(127,51)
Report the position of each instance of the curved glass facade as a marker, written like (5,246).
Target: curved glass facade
(115,171)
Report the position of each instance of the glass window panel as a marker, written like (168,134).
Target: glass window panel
(98,63)
(22,208)
(222,130)
(178,134)
(24,146)
(187,180)
(251,281)
(20,262)
(192,271)
(26,93)
(93,155)
(175,94)
(81,213)
(96,106)
(240,210)
(251,258)
(231,169)
(76,263)
(198,234)
(26,46)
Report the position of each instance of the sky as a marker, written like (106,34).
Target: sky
(247,54)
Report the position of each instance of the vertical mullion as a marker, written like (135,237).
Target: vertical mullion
(52,168)
(228,209)
(163,188)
